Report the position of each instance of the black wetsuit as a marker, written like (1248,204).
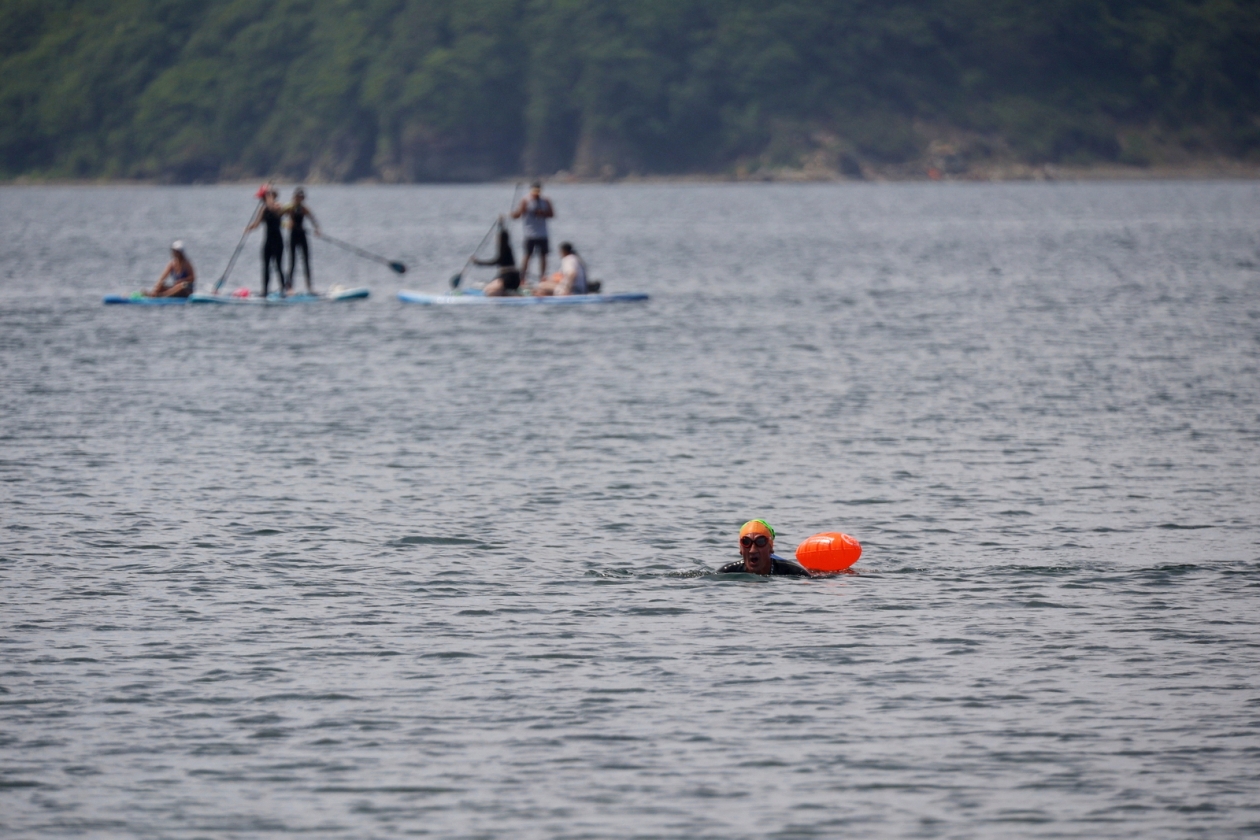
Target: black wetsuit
(273,249)
(778,566)
(297,239)
(504,259)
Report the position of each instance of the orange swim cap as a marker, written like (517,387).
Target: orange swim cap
(757,526)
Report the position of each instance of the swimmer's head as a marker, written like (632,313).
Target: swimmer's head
(754,527)
(756,546)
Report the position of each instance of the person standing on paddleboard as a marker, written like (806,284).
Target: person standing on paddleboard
(177,278)
(297,212)
(271,214)
(756,547)
(508,278)
(534,211)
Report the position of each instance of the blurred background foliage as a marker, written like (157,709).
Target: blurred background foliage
(417,90)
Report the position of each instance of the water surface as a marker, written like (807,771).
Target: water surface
(377,570)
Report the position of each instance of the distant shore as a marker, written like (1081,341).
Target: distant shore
(995,173)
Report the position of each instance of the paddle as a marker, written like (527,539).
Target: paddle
(262,191)
(458,277)
(368,255)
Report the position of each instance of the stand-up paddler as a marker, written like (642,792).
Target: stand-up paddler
(270,214)
(534,211)
(298,213)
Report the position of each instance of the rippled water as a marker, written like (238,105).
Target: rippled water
(373,570)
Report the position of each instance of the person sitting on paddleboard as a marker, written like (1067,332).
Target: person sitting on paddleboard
(177,278)
(271,214)
(508,278)
(298,213)
(534,212)
(570,279)
(756,546)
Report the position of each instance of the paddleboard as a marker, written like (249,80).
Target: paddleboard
(334,295)
(478,299)
(137,299)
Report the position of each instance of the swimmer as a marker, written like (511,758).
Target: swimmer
(756,546)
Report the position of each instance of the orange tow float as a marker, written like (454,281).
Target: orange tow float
(828,552)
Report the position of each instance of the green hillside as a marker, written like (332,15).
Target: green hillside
(418,90)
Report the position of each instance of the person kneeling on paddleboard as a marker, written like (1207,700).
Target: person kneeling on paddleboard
(756,546)
(508,278)
(177,278)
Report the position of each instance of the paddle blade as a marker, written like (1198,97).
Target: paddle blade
(398,267)
(455,278)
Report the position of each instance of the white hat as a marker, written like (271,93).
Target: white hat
(178,245)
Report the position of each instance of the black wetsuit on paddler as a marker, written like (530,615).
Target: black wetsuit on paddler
(271,214)
(298,213)
(508,277)
(273,248)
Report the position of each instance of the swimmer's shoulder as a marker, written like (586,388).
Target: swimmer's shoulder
(783,566)
(779,566)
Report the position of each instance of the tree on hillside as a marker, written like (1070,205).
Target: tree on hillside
(406,90)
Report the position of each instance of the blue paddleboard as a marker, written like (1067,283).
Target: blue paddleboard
(335,295)
(139,300)
(478,299)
